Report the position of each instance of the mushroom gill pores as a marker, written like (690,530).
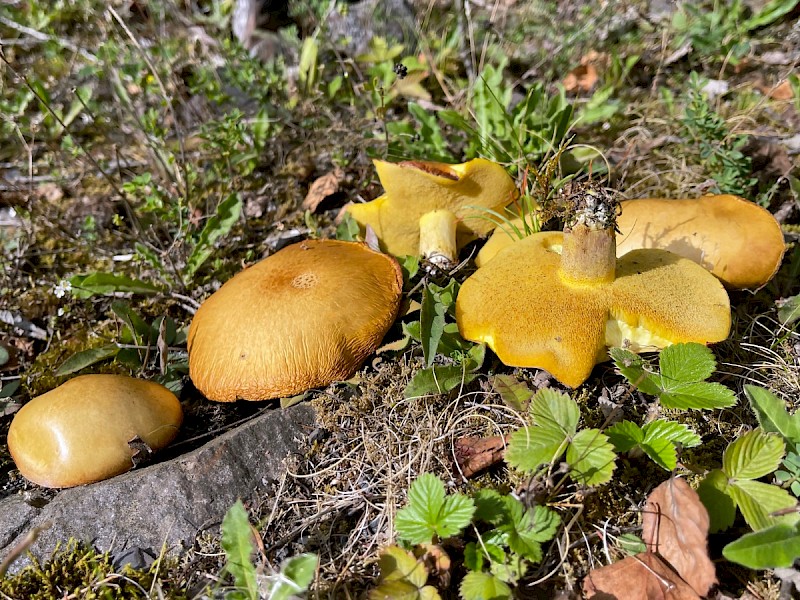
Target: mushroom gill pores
(556,301)
(432,209)
(304,317)
(82,431)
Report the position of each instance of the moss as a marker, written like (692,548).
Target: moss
(76,570)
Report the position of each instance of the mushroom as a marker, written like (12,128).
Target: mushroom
(91,428)
(304,317)
(737,240)
(556,301)
(432,209)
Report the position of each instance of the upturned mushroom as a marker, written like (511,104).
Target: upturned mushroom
(432,209)
(88,429)
(556,301)
(304,317)
(735,239)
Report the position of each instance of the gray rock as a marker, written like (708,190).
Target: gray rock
(166,503)
(353,24)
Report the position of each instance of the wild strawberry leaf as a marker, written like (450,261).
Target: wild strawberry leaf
(430,513)
(591,457)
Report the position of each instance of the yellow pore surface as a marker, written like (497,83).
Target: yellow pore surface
(520,306)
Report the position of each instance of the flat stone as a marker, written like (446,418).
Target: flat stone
(166,503)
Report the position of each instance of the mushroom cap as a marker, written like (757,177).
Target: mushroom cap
(414,188)
(737,240)
(520,305)
(80,431)
(304,317)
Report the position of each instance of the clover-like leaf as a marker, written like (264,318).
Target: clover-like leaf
(430,513)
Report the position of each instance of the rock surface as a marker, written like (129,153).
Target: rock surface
(166,503)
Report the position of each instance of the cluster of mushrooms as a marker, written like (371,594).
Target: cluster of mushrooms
(311,313)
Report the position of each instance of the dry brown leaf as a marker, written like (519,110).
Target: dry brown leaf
(474,454)
(675,525)
(782,91)
(323,187)
(581,78)
(642,577)
(437,562)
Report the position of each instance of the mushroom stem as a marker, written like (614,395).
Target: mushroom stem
(437,238)
(588,255)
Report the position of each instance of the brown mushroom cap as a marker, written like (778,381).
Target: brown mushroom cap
(531,315)
(304,317)
(735,239)
(80,431)
(414,189)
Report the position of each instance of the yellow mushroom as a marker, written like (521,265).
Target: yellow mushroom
(304,317)
(733,238)
(432,209)
(556,301)
(84,430)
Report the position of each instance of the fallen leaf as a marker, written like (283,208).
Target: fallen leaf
(474,454)
(437,562)
(675,526)
(782,91)
(642,577)
(324,186)
(582,78)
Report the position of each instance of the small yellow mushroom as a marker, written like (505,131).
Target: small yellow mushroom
(84,430)
(432,209)
(556,301)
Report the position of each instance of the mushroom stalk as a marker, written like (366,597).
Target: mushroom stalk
(588,255)
(437,238)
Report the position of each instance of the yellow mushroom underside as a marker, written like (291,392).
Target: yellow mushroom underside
(520,305)
(411,193)
(79,432)
(293,322)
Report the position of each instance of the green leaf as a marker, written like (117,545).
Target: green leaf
(555,411)
(85,358)
(237,542)
(789,310)
(771,548)
(490,506)
(483,586)
(753,455)
(432,321)
(769,13)
(636,370)
(4,355)
(429,513)
(625,435)
(139,331)
(514,393)
(771,413)
(228,213)
(685,363)
(698,396)
(348,230)
(631,544)
(86,286)
(758,500)
(527,528)
(660,438)
(437,380)
(662,452)
(591,457)
(531,447)
(297,573)
(713,492)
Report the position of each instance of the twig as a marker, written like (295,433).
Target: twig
(43,37)
(23,545)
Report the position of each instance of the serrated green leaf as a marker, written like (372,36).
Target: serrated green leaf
(625,435)
(527,528)
(771,548)
(531,447)
(398,564)
(662,452)
(555,411)
(514,393)
(473,557)
(483,586)
(636,370)
(431,321)
(721,508)
(85,358)
(772,414)
(685,363)
(758,500)
(591,457)
(437,380)
(698,396)
(753,455)
(237,542)
(430,513)
(86,286)
(672,431)
(490,506)
(228,213)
